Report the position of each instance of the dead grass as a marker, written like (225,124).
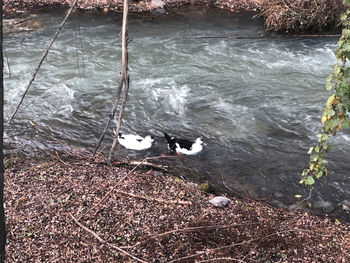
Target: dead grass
(300,16)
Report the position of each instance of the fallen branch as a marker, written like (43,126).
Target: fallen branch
(152,165)
(177,202)
(183,259)
(43,58)
(240,243)
(191,229)
(220,260)
(105,242)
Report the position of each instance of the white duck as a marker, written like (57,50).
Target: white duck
(135,142)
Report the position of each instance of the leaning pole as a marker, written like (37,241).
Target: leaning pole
(2,213)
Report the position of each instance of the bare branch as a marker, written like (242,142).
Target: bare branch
(105,242)
(42,59)
(125,75)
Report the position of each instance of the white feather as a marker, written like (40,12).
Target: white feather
(135,142)
(197,146)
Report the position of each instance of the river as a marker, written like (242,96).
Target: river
(255,99)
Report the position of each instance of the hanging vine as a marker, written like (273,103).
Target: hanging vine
(336,113)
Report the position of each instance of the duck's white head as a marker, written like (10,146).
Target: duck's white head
(149,138)
(199,141)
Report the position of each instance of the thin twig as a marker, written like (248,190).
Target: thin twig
(241,243)
(191,229)
(182,259)
(81,46)
(177,202)
(111,116)
(220,260)
(105,242)
(43,58)
(76,45)
(148,164)
(59,158)
(7,62)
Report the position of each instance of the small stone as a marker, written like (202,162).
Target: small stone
(219,201)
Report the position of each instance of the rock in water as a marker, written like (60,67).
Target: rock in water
(219,201)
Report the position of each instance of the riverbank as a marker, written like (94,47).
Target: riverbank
(72,208)
(285,16)
(137,6)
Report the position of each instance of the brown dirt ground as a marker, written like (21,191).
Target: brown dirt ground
(151,215)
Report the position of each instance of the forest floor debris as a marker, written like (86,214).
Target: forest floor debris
(70,209)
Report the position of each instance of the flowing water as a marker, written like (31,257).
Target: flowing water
(256,101)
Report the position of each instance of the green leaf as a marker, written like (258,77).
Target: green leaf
(329,78)
(305,172)
(329,86)
(323,137)
(347,72)
(319,174)
(314,157)
(343,17)
(323,161)
(329,101)
(336,70)
(297,196)
(310,180)
(333,123)
(310,150)
(346,46)
(346,32)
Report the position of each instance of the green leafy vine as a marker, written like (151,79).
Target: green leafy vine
(336,113)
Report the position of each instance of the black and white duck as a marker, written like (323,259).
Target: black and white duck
(184,146)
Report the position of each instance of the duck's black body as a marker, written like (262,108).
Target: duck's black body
(172,141)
